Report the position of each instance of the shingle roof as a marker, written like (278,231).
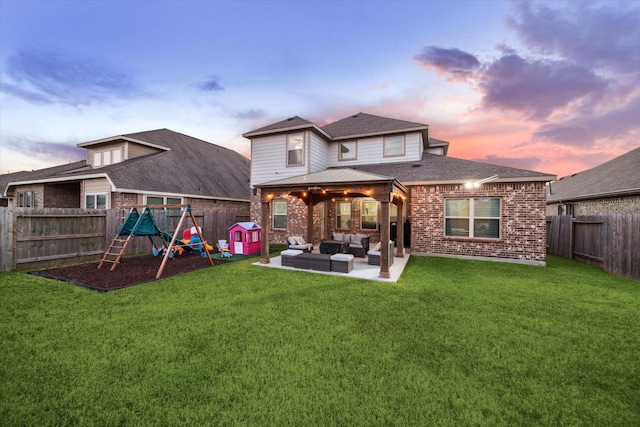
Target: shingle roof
(618,176)
(294,122)
(191,167)
(437,168)
(367,124)
(38,174)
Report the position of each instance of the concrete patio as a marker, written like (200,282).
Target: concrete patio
(361,270)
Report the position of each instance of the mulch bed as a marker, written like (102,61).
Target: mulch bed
(130,271)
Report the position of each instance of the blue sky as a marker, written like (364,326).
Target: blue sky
(547,86)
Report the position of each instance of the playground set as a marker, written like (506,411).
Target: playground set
(142,223)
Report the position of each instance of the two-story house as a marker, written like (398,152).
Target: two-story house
(388,178)
(143,168)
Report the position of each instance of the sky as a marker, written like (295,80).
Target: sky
(547,86)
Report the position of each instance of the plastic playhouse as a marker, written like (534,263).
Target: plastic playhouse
(245,238)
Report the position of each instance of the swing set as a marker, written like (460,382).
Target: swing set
(142,223)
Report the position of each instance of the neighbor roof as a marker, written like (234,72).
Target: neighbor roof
(617,177)
(188,167)
(290,124)
(434,168)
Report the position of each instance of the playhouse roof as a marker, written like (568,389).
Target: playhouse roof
(246,225)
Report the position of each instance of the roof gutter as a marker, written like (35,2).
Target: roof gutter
(165,194)
(544,178)
(608,194)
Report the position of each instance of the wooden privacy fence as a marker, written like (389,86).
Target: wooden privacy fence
(39,238)
(609,241)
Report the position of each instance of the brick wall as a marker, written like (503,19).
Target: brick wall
(523,224)
(607,206)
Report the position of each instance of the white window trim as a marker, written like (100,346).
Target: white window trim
(95,195)
(274,214)
(472,217)
(303,154)
(339,214)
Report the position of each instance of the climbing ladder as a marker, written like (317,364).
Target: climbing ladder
(115,251)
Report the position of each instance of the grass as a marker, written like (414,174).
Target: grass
(454,342)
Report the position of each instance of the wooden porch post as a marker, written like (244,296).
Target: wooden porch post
(400,229)
(385,228)
(266,230)
(310,221)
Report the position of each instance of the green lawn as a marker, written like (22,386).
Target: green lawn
(454,342)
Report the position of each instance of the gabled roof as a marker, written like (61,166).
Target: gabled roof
(290,124)
(617,177)
(356,126)
(361,125)
(188,167)
(434,168)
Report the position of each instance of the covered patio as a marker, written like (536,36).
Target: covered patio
(332,184)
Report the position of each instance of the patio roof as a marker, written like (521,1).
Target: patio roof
(330,184)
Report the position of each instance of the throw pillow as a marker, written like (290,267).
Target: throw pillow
(338,236)
(356,239)
(292,240)
(376,247)
(300,240)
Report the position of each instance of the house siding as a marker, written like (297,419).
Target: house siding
(370,151)
(272,152)
(319,152)
(523,222)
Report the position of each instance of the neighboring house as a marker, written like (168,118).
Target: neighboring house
(611,188)
(366,174)
(153,167)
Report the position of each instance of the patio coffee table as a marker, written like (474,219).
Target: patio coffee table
(333,247)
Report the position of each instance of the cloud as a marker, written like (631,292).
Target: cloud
(536,88)
(212,84)
(454,62)
(618,123)
(42,76)
(250,114)
(45,150)
(600,35)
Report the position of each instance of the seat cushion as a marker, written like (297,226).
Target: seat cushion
(341,257)
(291,252)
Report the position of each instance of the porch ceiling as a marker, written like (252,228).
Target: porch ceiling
(331,183)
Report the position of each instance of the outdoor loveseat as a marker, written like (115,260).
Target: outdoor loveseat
(358,243)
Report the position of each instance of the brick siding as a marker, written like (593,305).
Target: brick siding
(523,223)
(605,206)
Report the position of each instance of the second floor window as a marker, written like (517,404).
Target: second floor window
(394,146)
(347,151)
(295,149)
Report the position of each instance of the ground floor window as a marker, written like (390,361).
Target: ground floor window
(343,215)
(28,199)
(475,218)
(96,201)
(280,214)
(368,214)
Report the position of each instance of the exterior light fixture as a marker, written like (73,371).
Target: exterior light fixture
(476,184)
